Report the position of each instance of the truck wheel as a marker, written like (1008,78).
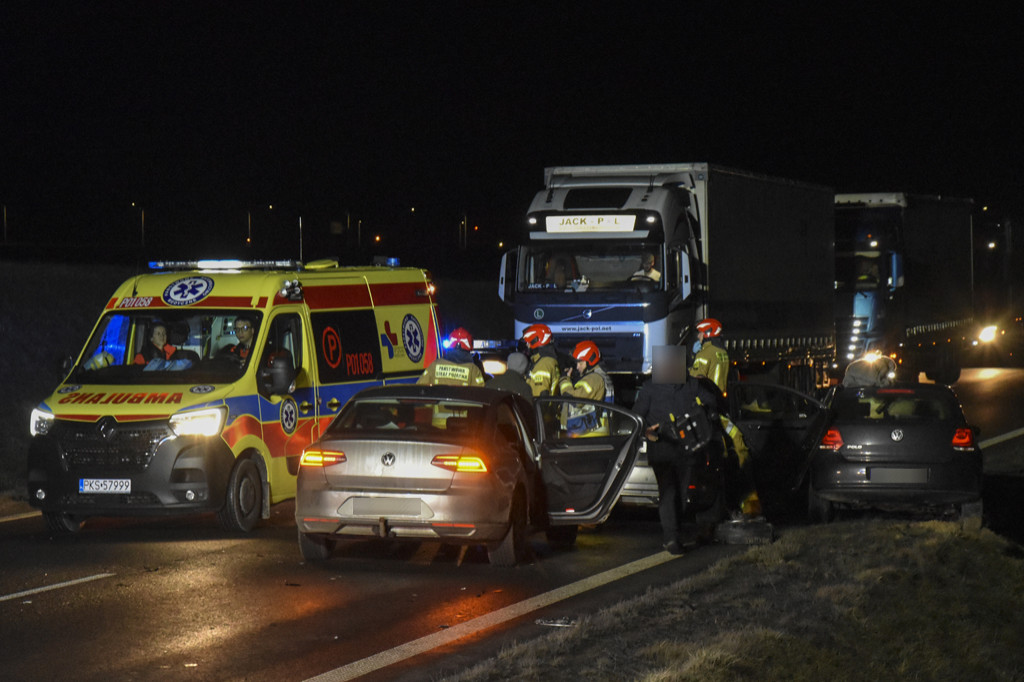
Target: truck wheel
(562,536)
(511,549)
(316,547)
(819,510)
(244,500)
(61,522)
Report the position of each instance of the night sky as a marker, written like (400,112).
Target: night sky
(205,113)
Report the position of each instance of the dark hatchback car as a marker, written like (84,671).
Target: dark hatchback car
(895,447)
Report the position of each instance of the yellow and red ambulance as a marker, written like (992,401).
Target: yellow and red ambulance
(203,381)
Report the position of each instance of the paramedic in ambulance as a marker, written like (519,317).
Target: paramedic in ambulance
(245,332)
(157,347)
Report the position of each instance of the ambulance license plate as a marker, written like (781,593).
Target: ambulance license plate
(105,486)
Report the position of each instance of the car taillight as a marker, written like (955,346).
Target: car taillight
(468,464)
(318,457)
(832,440)
(963,439)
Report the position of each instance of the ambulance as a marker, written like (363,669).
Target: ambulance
(203,381)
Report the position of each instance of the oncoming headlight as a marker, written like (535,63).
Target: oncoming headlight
(988,334)
(40,422)
(198,423)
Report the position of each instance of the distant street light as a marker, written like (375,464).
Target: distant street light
(991,245)
(142,223)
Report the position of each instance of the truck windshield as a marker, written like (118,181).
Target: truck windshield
(861,271)
(169,347)
(582,266)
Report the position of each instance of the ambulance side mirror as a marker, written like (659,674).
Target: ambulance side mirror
(277,376)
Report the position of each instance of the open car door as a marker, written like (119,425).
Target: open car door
(780,426)
(587,450)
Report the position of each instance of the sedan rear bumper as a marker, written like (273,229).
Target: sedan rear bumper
(464,517)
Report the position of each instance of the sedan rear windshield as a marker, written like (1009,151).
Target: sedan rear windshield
(881,403)
(391,417)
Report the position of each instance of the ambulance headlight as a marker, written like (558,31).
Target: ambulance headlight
(40,422)
(198,423)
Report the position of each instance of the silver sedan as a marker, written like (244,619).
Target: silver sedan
(468,466)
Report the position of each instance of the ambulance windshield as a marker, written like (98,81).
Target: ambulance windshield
(173,346)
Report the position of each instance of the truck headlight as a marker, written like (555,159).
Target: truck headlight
(40,422)
(198,423)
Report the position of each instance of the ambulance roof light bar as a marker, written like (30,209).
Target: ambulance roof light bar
(224,264)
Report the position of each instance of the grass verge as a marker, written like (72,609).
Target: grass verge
(862,600)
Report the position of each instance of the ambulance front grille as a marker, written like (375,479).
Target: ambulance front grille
(107,445)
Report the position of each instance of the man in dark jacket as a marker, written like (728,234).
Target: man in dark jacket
(514,378)
(662,404)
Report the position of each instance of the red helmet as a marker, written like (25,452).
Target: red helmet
(709,327)
(586,351)
(537,335)
(460,338)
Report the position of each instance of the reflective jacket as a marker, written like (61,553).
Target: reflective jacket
(456,369)
(590,386)
(544,372)
(712,361)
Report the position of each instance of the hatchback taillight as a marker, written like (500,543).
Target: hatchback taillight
(963,439)
(832,440)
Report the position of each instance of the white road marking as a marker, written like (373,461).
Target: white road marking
(67,583)
(470,627)
(996,440)
(19,517)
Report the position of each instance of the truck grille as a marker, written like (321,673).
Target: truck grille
(106,444)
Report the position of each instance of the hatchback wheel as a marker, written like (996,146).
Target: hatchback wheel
(819,510)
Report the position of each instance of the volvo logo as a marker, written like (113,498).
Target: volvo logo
(388,459)
(588,313)
(896,435)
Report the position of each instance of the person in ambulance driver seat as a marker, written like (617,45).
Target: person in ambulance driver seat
(245,332)
(544,372)
(156,348)
(457,367)
(588,379)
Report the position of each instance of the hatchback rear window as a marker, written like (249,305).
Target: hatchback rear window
(391,416)
(893,404)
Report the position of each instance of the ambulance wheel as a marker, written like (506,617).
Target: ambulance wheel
(61,522)
(243,503)
(511,549)
(562,536)
(316,547)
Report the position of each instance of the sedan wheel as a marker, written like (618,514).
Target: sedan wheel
(510,550)
(316,547)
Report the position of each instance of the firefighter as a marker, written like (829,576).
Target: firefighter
(457,367)
(711,359)
(587,379)
(544,373)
